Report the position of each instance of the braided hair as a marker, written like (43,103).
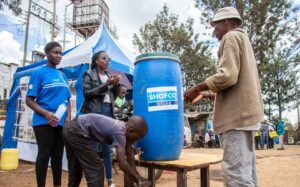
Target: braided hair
(94,58)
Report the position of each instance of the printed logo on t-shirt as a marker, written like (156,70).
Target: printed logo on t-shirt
(30,87)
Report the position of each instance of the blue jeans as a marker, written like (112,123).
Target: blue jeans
(106,148)
(265,139)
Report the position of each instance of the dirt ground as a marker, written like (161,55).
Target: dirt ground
(275,169)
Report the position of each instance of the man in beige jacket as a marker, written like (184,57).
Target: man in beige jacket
(238,108)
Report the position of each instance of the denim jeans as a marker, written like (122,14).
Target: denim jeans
(106,148)
(265,140)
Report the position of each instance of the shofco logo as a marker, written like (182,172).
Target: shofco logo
(159,96)
(162,98)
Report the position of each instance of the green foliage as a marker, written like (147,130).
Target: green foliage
(265,21)
(13,5)
(274,29)
(278,84)
(166,34)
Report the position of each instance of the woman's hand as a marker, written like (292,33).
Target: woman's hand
(117,79)
(114,80)
(52,119)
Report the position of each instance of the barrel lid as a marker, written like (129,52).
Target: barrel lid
(157,55)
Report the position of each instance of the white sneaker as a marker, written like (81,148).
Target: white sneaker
(112,185)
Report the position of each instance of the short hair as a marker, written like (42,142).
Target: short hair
(94,58)
(138,123)
(50,46)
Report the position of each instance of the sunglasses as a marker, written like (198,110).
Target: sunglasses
(105,59)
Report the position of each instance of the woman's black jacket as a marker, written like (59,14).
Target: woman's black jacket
(94,91)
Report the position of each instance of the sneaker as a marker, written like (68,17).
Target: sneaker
(281,148)
(112,185)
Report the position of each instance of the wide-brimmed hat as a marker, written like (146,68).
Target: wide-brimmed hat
(226,13)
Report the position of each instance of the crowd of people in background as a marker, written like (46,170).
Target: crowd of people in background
(269,134)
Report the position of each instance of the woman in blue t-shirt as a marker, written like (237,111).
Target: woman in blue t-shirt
(47,90)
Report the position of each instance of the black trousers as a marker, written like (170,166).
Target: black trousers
(271,143)
(82,156)
(258,143)
(50,144)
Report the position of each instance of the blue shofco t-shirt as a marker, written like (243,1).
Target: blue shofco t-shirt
(50,88)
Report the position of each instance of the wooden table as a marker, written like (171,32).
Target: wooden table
(186,162)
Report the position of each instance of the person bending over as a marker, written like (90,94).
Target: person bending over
(81,133)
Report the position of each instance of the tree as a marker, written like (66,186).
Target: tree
(166,34)
(273,28)
(265,21)
(13,5)
(278,85)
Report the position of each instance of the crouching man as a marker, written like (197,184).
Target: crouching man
(80,135)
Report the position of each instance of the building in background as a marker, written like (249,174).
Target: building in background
(37,56)
(6,78)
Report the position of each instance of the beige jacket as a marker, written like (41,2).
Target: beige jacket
(238,101)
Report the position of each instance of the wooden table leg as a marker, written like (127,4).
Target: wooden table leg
(181,179)
(204,177)
(151,176)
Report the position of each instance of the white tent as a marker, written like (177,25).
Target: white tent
(101,40)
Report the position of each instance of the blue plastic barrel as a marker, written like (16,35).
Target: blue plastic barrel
(157,94)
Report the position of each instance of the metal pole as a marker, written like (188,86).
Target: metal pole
(54,20)
(26,32)
(65,23)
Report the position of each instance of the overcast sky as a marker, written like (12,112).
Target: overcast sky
(131,15)
(128,16)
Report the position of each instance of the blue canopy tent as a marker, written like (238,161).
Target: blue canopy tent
(74,62)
